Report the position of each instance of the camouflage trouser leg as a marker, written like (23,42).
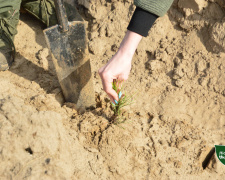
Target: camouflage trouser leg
(9,13)
(9,17)
(44,10)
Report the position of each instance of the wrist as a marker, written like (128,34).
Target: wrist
(124,55)
(129,44)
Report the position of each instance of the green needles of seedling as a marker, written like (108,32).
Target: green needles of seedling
(124,100)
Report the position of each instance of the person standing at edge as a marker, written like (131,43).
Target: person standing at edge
(119,66)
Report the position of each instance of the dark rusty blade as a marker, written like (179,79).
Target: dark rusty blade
(72,63)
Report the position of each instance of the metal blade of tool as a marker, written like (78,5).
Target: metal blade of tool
(68,44)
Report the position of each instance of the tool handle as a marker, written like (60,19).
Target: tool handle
(61,15)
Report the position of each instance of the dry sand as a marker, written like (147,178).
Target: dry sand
(178,115)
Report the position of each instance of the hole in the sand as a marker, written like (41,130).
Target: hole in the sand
(150,118)
(29,150)
(207,159)
(47,161)
(91,108)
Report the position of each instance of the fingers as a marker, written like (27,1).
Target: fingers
(111,99)
(107,85)
(112,95)
(122,78)
(113,71)
(119,84)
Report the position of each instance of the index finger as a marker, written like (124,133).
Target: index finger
(107,86)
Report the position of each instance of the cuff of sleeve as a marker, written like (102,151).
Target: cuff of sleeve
(141,21)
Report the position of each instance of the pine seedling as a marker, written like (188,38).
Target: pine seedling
(124,100)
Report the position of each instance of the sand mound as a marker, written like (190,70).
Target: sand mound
(178,115)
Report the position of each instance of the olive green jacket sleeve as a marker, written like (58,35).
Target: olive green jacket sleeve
(157,7)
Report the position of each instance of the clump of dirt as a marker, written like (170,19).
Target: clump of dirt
(207,17)
(177,117)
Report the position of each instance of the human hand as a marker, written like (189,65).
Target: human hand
(118,67)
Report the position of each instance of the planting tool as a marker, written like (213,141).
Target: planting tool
(68,44)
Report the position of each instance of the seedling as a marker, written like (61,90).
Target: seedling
(124,100)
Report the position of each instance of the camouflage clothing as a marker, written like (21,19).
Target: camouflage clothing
(44,10)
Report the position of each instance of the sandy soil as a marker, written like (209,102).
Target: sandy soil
(178,115)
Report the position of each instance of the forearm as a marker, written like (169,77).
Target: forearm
(130,43)
(119,66)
